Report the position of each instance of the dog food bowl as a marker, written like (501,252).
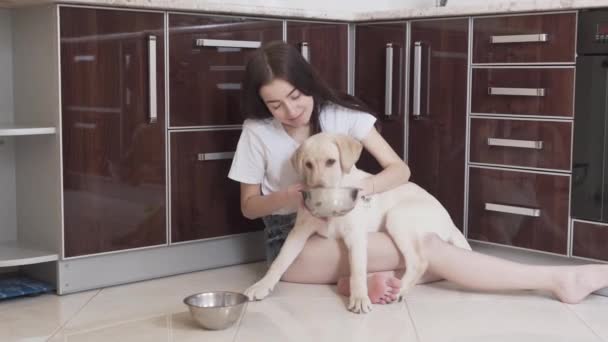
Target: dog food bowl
(216,310)
(330,202)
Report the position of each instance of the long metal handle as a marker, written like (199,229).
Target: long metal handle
(305,51)
(229,86)
(510,209)
(531,144)
(152,79)
(520,38)
(417,78)
(215,156)
(243,44)
(388,85)
(517,91)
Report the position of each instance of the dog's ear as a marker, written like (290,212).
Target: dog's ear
(296,160)
(350,151)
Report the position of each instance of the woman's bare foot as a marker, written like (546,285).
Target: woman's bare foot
(575,284)
(382,287)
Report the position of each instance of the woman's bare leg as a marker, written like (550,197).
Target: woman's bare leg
(325,261)
(477,271)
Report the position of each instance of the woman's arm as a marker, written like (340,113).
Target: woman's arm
(395,172)
(255,205)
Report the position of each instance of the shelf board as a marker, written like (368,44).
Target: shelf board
(8,130)
(13,253)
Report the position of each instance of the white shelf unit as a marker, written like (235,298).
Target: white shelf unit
(10,130)
(19,253)
(14,254)
(30,132)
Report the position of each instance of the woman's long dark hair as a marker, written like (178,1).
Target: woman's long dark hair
(280,60)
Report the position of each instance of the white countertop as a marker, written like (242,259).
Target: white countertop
(333,10)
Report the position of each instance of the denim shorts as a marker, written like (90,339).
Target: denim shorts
(275,233)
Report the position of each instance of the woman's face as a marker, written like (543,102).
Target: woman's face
(286,103)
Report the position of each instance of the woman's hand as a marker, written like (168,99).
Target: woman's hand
(292,196)
(367,186)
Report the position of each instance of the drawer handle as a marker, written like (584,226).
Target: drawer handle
(510,209)
(532,144)
(520,38)
(243,44)
(153,110)
(417,78)
(305,51)
(516,91)
(229,86)
(215,156)
(388,81)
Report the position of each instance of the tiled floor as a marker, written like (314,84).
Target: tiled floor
(153,311)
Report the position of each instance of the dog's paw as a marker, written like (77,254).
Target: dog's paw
(403,293)
(259,290)
(360,304)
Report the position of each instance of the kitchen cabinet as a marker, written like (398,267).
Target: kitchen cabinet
(113,130)
(438,110)
(205,203)
(325,46)
(125,183)
(207,58)
(522,106)
(380,82)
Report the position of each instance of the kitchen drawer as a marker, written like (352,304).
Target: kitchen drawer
(207,57)
(538,144)
(522,209)
(205,203)
(590,240)
(541,92)
(538,38)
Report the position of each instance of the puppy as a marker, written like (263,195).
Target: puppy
(406,213)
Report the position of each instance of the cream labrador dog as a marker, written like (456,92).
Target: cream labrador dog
(406,213)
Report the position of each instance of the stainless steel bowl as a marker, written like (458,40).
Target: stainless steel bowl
(330,202)
(216,310)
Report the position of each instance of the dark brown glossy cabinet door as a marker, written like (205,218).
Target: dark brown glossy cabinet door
(207,57)
(385,99)
(523,143)
(326,46)
(535,38)
(590,240)
(113,149)
(204,201)
(522,209)
(437,119)
(529,91)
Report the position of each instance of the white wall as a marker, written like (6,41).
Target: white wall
(8,230)
(341,6)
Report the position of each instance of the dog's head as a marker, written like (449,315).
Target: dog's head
(324,158)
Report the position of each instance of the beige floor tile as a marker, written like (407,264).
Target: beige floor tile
(522,320)
(158,297)
(594,312)
(322,319)
(37,318)
(178,327)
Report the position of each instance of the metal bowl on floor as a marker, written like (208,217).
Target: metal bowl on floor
(216,310)
(330,202)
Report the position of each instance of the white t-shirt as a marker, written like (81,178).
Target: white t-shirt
(264,149)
